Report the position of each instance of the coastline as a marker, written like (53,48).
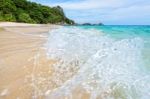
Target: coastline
(22,57)
(27,73)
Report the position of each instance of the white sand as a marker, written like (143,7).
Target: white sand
(4,24)
(18,54)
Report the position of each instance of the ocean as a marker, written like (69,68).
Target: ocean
(101,62)
(119,32)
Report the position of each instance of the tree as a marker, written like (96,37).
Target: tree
(1,16)
(9,17)
(24,17)
(31,12)
(7,6)
(37,16)
(20,4)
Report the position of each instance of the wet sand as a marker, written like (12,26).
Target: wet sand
(22,59)
(25,70)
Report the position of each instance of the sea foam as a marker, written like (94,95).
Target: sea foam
(103,67)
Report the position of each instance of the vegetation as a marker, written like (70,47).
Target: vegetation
(31,12)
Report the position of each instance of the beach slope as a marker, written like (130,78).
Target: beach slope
(22,58)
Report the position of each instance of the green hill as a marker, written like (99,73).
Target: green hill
(31,12)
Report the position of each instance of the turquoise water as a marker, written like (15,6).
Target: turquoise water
(106,62)
(123,31)
(128,32)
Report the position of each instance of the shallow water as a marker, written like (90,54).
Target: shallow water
(106,62)
(128,32)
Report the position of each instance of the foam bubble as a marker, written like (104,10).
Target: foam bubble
(103,67)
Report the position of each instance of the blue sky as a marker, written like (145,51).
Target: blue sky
(122,12)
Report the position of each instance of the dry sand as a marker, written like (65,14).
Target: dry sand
(22,58)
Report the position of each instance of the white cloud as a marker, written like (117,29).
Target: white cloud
(94,4)
(109,11)
(87,4)
(130,15)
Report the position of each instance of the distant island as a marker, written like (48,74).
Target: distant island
(90,24)
(31,12)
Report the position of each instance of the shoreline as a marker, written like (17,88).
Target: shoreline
(22,56)
(27,72)
(14,24)
(25,27)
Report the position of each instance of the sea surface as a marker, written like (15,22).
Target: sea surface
(120,32)
(100,62)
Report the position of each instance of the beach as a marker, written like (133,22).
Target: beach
(21,47)
(74,49)
(78,62)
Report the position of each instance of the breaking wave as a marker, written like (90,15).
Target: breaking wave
(91,65)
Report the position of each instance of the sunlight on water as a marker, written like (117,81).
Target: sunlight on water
(91,65)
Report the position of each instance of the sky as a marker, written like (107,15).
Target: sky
(109,12)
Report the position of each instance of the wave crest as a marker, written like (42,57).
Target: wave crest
(98,65)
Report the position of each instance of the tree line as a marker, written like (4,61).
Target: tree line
(31,12)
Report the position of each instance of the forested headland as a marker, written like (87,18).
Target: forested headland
(31,12)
